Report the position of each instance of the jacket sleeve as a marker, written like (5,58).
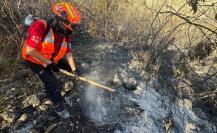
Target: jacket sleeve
(35,34)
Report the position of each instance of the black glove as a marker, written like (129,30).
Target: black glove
(76,73)
(53,67)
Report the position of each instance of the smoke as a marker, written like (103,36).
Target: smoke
(98,103)
(95,108)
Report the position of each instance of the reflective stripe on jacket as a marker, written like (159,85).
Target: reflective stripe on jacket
(47,50)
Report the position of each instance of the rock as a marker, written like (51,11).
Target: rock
(23,118)
(43,107)
(50,128)
(190,128)
(63,93)
(132,81)
(124,79)
(34,131)
(116,79)
(48,102)
(8,117)
(68,86)
(31,100)
(188,104)
(142,73)
(139,89)
(185,103)
(135,64)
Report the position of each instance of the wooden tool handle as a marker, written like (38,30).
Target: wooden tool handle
(89,81)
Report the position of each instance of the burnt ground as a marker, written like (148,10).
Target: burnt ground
(77,123)
(23,95)
(156,106)
(42,118)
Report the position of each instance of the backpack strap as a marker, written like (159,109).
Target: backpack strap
(47,29)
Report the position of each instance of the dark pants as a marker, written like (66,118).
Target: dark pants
(52,85)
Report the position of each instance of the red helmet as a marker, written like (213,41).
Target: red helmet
(69,15)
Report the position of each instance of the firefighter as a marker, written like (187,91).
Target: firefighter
(47,48)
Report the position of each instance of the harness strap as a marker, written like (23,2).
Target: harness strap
(46,30)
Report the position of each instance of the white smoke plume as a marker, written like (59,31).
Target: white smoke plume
(95,102)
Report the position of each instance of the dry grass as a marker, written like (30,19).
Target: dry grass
(155,27)
(12,33)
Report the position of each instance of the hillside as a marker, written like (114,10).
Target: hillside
(160,55)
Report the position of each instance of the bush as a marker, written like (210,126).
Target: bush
(12,33)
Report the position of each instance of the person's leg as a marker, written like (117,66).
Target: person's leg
(52,85)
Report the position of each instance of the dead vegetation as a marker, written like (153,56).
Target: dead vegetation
(170,39)
(175,40)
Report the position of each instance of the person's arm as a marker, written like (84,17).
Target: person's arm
(35,36)
(70,61)
(34,53)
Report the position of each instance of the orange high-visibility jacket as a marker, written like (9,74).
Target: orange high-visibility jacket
(47,49)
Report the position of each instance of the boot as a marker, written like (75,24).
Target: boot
(61,111)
